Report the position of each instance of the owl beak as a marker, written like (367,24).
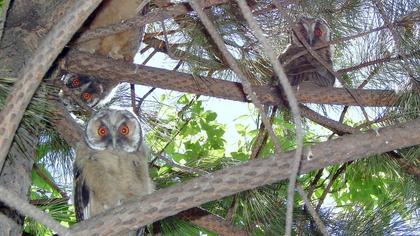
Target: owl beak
(311,39)
(114,143)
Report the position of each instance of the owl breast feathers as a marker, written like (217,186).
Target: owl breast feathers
(306,70)
(111,167)
(117,46)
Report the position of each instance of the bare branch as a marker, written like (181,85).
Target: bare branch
(120,71)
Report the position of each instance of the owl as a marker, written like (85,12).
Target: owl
(86,89)
(306,70)
(121,45)
(111,166)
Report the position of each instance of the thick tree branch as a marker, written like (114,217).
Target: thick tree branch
(31,75)
(255,173)
(119,71)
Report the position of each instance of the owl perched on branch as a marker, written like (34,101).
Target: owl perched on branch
(306,70)
(111,166)
(88,90)
(121,45)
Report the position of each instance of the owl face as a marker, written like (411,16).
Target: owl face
(314,30)
(87,88)
(114,130)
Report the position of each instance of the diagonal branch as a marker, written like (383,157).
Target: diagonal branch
(254,173)
(14,201)
(31,75)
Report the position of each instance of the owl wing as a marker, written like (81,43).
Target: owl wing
(306,69)
(81,195)
(294,67)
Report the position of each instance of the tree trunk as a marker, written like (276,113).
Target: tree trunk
(26,24)
(16,176)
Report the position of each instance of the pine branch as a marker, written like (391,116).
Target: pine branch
(255,173)
(119,71)
(50,182)
(330,184)
(405,165)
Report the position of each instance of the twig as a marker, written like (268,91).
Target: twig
(329,185)
(361,86)
(14,201)
(396,37)
(49,181)
(312,211)
(35,69)
(141,100)
(313,183)
(187,169)
(262,137)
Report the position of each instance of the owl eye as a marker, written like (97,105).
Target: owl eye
(86,96)
(318,32)
(102,131)
(124,130)
(75,82)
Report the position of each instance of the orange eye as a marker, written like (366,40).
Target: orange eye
(124,130)
(87,96)
(102,131)
(75,83)
(318,32)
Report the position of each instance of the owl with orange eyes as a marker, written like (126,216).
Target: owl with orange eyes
(111,166)
(305,69)
(86,89)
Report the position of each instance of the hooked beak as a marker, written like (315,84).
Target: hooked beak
(114,143)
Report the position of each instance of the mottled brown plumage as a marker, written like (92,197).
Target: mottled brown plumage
(122,45)
(306,70)
(111,165)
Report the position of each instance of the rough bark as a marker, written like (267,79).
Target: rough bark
(255,173)
(15,176)
(26,23)
(119,71)
(34,70)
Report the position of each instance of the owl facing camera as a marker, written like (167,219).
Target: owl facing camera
(85,89)
(305,69)
(111,165)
